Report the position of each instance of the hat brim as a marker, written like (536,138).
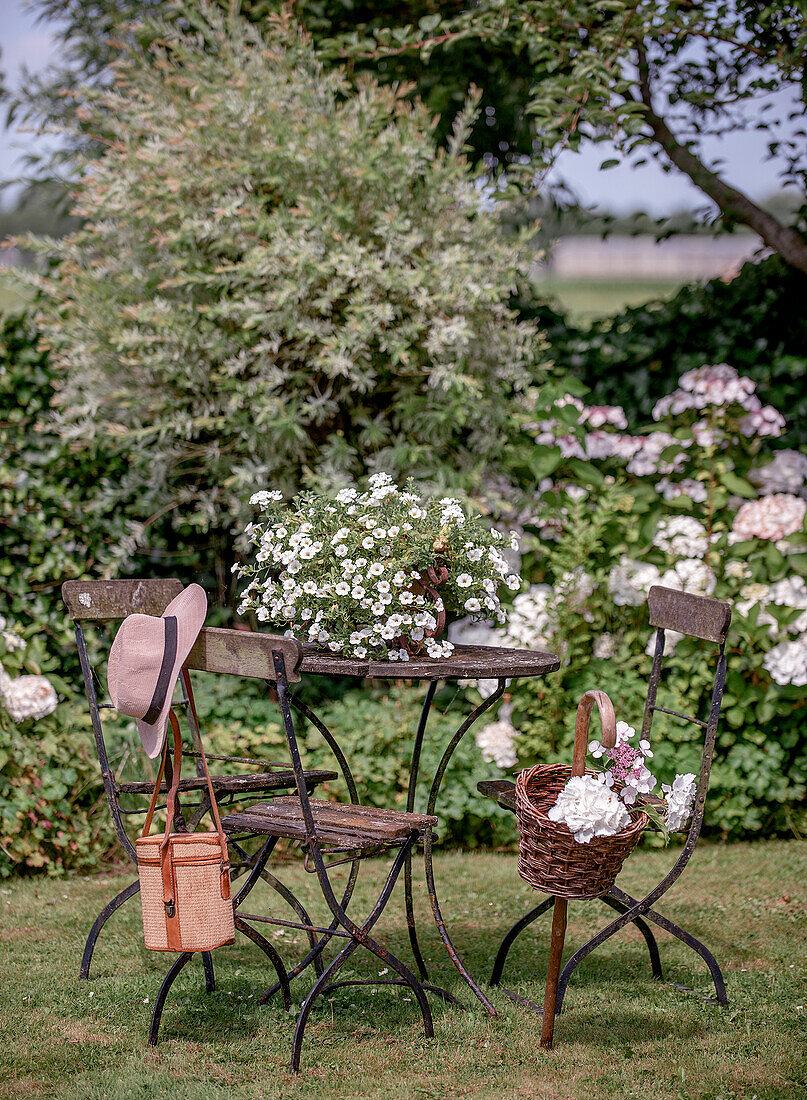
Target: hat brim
(190,610)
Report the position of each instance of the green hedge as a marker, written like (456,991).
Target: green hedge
(756,322)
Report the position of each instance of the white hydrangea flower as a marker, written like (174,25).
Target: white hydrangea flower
(496,742)
(589,808)
(787,662)
(631,580)
(27,697)
(680,798)
(604,647)
(647,458)
(681,536)
(687,487)
(690,575)
(764,421)
(787,473)
(717,386)
(531,620)
(671,640)
(772,517)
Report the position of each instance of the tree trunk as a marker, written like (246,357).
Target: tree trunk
(734,205)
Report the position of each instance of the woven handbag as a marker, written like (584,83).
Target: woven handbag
(184,877)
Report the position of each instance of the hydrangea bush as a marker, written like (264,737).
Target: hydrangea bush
(49,784)
(698,502)
(350,571)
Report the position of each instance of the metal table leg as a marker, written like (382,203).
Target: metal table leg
(428,842)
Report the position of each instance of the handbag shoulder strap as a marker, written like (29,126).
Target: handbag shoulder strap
(175,779)
(213,805)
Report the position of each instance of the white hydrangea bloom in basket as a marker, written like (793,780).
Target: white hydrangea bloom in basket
(372,573)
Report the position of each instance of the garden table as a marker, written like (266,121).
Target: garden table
(465,663)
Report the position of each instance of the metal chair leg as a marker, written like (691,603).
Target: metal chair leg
(512,936)
(272,955)
(159,1004)
(89,947)
(329,971)
(210,977)
(641,908)
(645,929)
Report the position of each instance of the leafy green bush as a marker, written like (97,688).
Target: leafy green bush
(279,281)
(695,504)
(52,816)
(756,322)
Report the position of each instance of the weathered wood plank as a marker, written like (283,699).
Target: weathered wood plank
(698,616)
(466,662)
(337,823)
(106,601)
(502,791)
(244,653)
(258,781)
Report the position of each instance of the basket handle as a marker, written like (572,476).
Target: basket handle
(607,721)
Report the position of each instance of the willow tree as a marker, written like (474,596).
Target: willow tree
(278,280)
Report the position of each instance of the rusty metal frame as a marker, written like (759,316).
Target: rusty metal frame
(343,926)
(640,911)
(254,864)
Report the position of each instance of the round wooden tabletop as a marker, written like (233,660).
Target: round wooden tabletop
(467,662)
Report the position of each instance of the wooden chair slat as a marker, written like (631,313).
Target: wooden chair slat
(108,601)
(698,616)
(257,781)
(244,653)
(338,824)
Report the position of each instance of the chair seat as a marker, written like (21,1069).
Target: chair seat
(502,790)
(257,781)
(340,826)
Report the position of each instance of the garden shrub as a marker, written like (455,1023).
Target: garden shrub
(756,322)
(52,813)
(278,279)
(698,503)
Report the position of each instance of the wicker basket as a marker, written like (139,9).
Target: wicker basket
(549,858)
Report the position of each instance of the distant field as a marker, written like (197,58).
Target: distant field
(587,299)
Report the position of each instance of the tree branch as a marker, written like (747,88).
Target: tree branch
(733,204)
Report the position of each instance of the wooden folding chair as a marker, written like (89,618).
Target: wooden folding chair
(107,602)
(697,617)
(321,828)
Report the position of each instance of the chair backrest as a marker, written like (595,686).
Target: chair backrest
(697,617)
(235,652)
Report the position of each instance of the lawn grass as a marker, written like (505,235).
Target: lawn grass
(587,299)
(622,1035)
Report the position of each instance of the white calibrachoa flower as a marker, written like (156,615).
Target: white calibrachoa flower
(357,555)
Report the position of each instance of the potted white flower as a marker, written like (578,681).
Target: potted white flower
(358,572)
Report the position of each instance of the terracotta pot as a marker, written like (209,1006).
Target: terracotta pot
(430,580)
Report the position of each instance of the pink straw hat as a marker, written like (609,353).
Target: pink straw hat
(146,658)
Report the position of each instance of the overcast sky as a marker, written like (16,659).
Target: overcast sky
(618,189)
